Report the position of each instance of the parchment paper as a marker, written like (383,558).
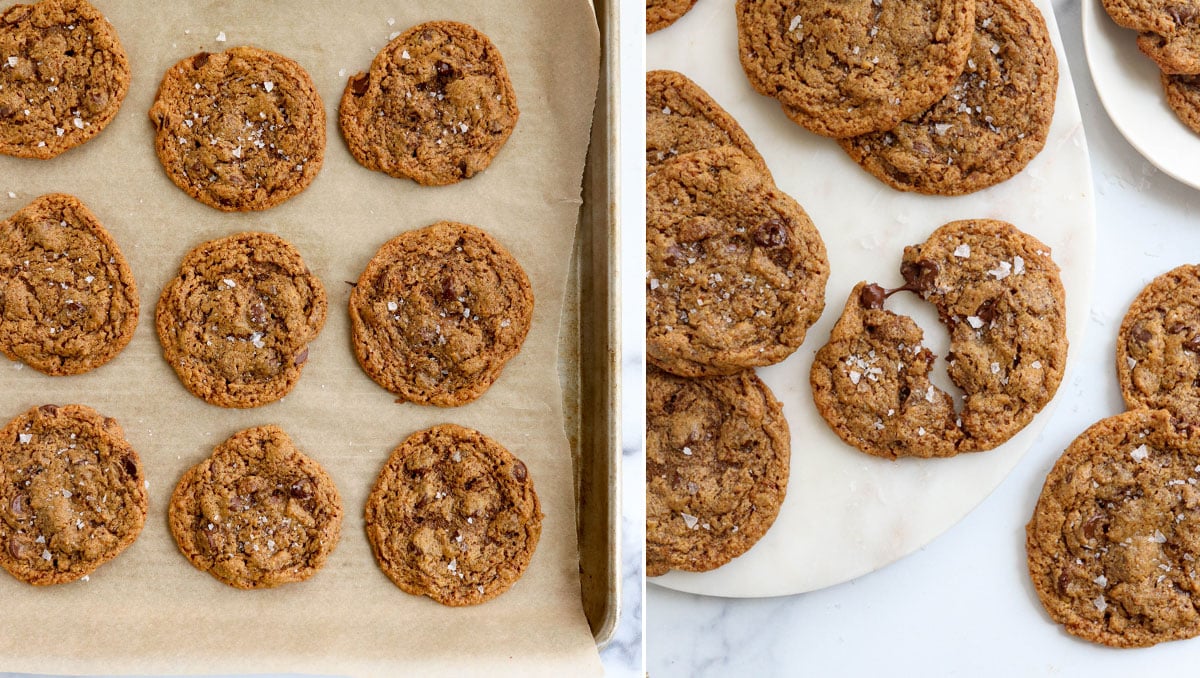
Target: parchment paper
(149,610)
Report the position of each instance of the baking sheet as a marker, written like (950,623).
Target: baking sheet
(149,611)
(846,513)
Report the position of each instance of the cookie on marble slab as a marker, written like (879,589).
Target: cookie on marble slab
(1183,96)
(847,68)
(63,76)
(681,117)
(239,130)
(735,269)
(992,123)
(257,513)
(718,454)
(436,105)
(72,494)
(1114,540)
(438,313)
(68,300)
(236,322)
(453,516)
(663,13)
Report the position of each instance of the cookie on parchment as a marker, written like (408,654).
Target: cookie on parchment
(68,301)
(239,130)
(717,458)
(663,13)
(257,513)
(453,516)
(72,493)
(436,105)
(1158,346)
(735,270)
(63,75)
(235,324)
(992,123)
(1183,96)
(681,117)
(438,312)
(842,69)
(1114,542)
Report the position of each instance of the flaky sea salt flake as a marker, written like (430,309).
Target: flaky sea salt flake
(963,251)
(25,438)
(221,36)
(1140,453)
(690,520)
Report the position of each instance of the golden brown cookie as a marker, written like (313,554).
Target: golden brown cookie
(240,130)
(453,516)
(1158,346)
(663,13)
(1168,31)
(68,302)
(1183,96)
(435,107)
(735,270)
(438,312)
(237,320)
(1114,541)
(1177,54)
(257,513)
(717,460)
(992,123)
(846,68)
(72,494)
(681,117)
(63,75)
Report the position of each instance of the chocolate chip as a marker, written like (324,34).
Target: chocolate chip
(16,547)
(302,489)
(130,465)
(1063,581)
(771,234)
(519,471)
(1177,327)
(20,505)
(987,311)
(905,391)
(1182,14)
(674,256)
(872,296)
(448,293)
(200,59)
(919,276)
(258,313)
(1093,526)
(444,70)
(1141,335)
(239,503)
(1193,344)
(51,410)
(301,357)
(359,84)
(5,111)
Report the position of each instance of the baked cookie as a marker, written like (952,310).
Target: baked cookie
(1114,541)
(435,106)
(68,302)
(735,269)
(717,459)
(1158,346)
(1178,53)
(72,494)
(1183,96)
(63,75)
(998,292)
(992,123)
(438,312)
(663,13)
(257,513)
(681,118)
(237,320)
(851,67)
(453,516)
(1169,31)
(871,383)
(240,130)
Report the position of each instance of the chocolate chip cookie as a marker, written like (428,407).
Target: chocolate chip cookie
(68,302)
(846,68)
(438,312)
(1183,96)
(1168,31)
(72,494)
(735,269)
(1177,54)
(1158,346)
(257,513)
(1114,541)
(992,123)
(681,117)
(717,459)
(63,75)
(663,13)
(235,324)
(240,130)
(453,516)
(435,107)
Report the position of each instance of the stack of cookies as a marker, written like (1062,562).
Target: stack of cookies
(736,275)
(942,97)
(1168,33)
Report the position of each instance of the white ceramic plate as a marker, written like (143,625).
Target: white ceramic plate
(846,513)
(1129,87)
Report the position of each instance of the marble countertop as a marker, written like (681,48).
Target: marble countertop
(964,605)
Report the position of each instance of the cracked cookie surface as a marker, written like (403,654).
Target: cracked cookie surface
(1183,96)
(681,117)
(1168,31)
